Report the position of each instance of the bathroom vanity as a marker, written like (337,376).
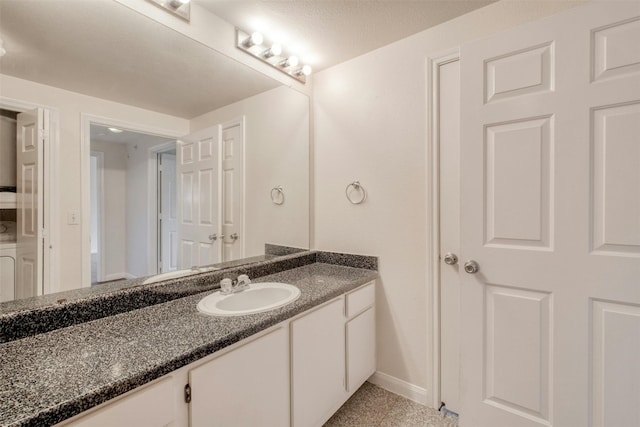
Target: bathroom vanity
(168,364)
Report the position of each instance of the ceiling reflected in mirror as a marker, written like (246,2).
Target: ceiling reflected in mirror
(128,58)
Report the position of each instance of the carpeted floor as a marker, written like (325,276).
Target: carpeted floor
(372,406)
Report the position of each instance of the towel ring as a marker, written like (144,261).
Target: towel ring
(355,186)
(277,195)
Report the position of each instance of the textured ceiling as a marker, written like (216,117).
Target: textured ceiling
(326,32)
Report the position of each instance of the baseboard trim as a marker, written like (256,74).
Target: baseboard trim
(400,387)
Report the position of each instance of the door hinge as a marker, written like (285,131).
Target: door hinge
(187,393)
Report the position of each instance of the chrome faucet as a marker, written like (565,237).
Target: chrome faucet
(227,286)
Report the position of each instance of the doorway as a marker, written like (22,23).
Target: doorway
(124,200)
(29,138)
(444,197)
(210,168)
(548,217)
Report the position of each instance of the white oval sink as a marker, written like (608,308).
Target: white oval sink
(260,297)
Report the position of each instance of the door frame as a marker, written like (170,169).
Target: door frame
(86,120)
(51,179)
(434,63)
(154,207)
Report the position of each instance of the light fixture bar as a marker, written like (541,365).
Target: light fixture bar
(272,55)
(181,8)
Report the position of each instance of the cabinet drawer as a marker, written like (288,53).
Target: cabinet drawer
(361,299)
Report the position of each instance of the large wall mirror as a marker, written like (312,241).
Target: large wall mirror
(167,154)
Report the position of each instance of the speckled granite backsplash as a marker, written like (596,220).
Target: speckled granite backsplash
(28,317)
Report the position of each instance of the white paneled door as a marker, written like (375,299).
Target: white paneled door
(550,211)
(33,129)
(197,170)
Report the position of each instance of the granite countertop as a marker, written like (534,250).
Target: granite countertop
(50,377)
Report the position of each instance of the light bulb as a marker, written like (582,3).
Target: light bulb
(254,39)
(304,70)
(115,130)
(293,61)
(275,50)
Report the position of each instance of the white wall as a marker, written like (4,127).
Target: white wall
(370,124)
(114,219)
(276,153)
(71,105)
(137,213)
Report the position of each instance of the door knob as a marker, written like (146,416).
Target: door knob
(450,259)
(471,267)
(234,236)
(214,237)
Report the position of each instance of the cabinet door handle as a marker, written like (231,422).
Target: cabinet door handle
(187,393)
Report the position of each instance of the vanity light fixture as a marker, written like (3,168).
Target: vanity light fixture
(181,8)
(178,3)
(254,44)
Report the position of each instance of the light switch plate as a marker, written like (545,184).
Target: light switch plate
(73,217)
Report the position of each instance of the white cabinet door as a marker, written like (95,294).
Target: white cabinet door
(152,406)
(246,387)
(318,364)
(361,349)
(550,196)
(7,277)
